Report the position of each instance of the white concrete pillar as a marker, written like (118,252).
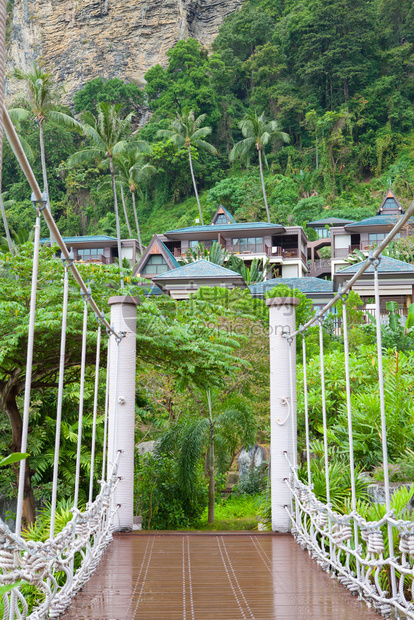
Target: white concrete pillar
(282,311)
(121,420)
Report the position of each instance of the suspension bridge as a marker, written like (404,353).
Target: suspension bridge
(308,568)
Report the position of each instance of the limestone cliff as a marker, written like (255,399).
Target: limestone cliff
(82,39)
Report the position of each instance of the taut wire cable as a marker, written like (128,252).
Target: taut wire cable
(29,369)
(95,406)
(81,398)
(105,440)
(375,263)
(305,396)
(349,416)
(60,395)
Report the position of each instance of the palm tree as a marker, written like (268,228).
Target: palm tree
(42,97)
(186,131)
(215,254)
(257,135)
(133,171)
(3,206)
(108,132)
(213,438)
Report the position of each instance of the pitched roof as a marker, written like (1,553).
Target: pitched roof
(306,285)
(86,239)
(390,201)
(225,227)
(160,248)
(223,211)
(377,220)
(387,265)
(330,221)
(199,269)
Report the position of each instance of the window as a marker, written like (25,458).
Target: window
(86,253)
(376,237)
(323,233)
(156,264)
(248,244)
(390,204)
(222,219)
(194,244)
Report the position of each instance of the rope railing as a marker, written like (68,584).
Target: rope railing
(374,559)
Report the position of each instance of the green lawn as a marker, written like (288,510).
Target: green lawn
(234,513)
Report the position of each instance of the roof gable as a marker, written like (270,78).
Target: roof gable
(223,211)
(156,246)
(390,204)
(199,269)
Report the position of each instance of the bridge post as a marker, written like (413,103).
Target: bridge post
(121,418)
(282,313)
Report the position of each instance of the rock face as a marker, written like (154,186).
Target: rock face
(82,39)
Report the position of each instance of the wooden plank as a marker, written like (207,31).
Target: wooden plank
(179,576)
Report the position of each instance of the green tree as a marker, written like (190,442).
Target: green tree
(42,97)
(225,424)
(133,170)
(187,131)
(108,132)
(185,84)
(257,135)
(113,91)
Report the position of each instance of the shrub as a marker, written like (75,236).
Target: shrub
(162,502)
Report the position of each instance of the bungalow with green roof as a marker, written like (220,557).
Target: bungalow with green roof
(396,282)
(368,232)
(100,248)
(181,282)
(285,247)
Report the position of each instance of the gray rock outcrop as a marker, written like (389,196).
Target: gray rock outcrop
(82,39)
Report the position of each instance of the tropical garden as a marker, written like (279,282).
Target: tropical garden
(280,121)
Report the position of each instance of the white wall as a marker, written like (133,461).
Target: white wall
(342,241)
(290,271)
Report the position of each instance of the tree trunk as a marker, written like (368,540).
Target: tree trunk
(44,172)
(317,151)
(259,150)
(13,413)
(346,90)
(118,230)
(211,483)
(195,186)
(136,221)
(6,225)
(125,213)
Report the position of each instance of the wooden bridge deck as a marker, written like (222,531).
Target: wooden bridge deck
(204,576)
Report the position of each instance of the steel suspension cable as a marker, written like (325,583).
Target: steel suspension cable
(292,409)
(375,262)
(38,196)
(59,398)
(324,422)
(95,407)
(349,416)
(28,378)
(81,400)
(364,266)
(305,395)
(104,454)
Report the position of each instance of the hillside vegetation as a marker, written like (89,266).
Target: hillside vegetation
(340,88)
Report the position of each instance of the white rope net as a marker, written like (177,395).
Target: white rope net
(373,559)
(58,568)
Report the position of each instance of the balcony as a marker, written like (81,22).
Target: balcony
(319,267)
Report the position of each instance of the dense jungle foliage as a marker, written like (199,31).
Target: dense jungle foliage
(342,89)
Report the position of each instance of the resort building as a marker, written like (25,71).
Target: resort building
(100,249)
